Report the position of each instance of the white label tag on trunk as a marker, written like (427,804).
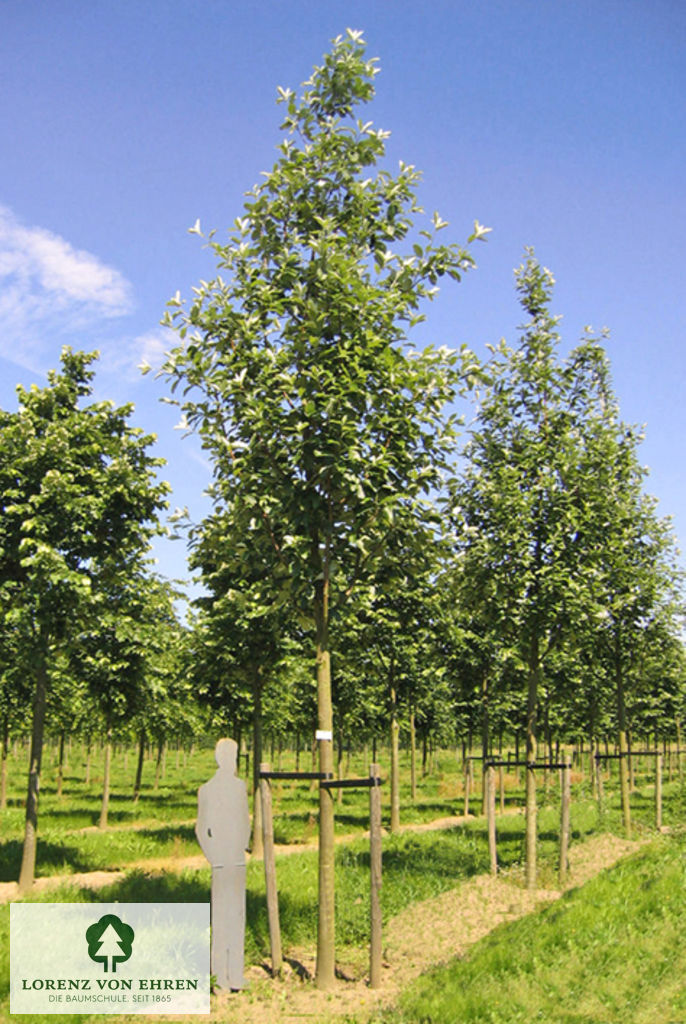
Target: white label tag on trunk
(323,734)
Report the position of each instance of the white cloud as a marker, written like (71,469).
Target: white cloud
(49,289)
(152,346)
(125,356)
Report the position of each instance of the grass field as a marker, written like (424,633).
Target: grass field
(416,865)
(611,952)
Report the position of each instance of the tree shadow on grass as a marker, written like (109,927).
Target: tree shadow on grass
(51,859)
(167,833)
(166,801)
(168,887)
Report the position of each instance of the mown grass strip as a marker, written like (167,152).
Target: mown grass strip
(611,952)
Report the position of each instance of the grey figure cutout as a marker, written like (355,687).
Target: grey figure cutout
(223,831)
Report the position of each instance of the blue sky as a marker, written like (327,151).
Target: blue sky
(560,125)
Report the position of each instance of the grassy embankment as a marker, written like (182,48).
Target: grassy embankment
(611,952)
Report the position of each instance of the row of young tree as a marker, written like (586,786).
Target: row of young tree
(520,581)
(531,566)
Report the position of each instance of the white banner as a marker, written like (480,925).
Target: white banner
(110,958)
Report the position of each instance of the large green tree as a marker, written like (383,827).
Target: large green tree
(78,501)
(293,368)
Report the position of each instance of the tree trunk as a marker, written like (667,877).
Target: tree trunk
(326,947)
(531,750)
(623,748)
(139,767)
(313,784)
(395,761)
(339,762)
(548,745)
(257,847)
(592,747)
(106,781)
(60,767)
(631,761)
(413,758)
(158,764)
(28,860)
(485,740)
(678,750)
(3,772)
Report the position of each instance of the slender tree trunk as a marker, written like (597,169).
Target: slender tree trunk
(623,747)
(413,757)
(395,760)
(549,746)
(678,750)
(158,764)
(28,860)
(60,767)
(3,772)
(425,750)
(485,739)
(531,751)
(592,747)
(326,947)
(139,767)
(339,762)
(313,784)
(257,846)
(631,761)
(106,781)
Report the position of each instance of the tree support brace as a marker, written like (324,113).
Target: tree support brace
(296,775)
(351,783)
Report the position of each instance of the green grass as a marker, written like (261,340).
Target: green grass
(416,865)
(611,952)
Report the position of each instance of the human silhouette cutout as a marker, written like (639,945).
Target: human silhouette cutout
(223,831)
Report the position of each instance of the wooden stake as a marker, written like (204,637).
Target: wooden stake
(467,785)
(599,783)
(375,882)
(270,874)
(565,803)
(490,803)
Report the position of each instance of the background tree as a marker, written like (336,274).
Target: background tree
(635,592)
(318,421)
(78,497)
(527,489)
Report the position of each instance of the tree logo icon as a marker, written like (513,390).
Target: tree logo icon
(110,941)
